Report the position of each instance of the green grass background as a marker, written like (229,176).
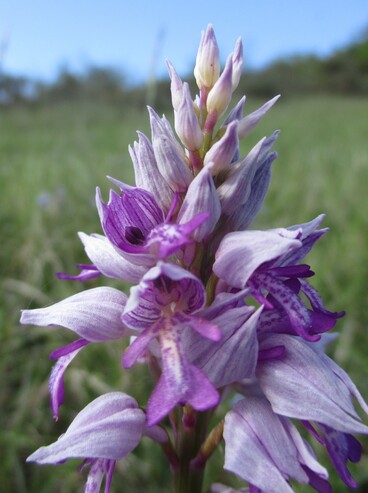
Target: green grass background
(51,159)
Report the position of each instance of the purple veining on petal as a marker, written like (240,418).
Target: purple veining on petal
(94,314)
(304,383)
(107,428)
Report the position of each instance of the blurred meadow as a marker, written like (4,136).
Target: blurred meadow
(52,157)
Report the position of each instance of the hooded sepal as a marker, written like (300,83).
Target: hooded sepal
(241,253)
(147,173)
(304,383)
(263,449)
(201,198)
(109,427)
(95,314)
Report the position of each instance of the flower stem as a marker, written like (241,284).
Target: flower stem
(192,433)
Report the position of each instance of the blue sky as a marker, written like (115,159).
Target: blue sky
(40,36)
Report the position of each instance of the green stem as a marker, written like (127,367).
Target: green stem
(192,434)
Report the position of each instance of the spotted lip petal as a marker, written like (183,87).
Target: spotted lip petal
(180,381)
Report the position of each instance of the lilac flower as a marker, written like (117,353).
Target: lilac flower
(181,237)
(104,432)
(135,224)
(161,307)
(270,269)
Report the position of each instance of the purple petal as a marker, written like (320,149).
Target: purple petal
(250,121)
(203,327)
(258,448)
(298,314)
(236,357)
(201,197)
(87,272)
(99,468)
(221,154)
(147,174)
(236,188)
(241,253)
(95,314)
(139,345)
(342,447)
(302,384)
(109,427)
(236,113)
(243,215)
(186,121)
(108,261)
(170,158)
(141,310)
(56,383)
(309,236)
(166,239)
(180,382)
(128,219)
(199,350)
(225,301)
(321,485)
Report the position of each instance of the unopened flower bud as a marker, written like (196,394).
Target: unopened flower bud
(207,67)
(222,152)
(237,63)
(176,86)
(220,95)
(170,158)
(186,122)
(236,113)
(247,123)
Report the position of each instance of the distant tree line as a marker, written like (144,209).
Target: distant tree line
(344,72)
